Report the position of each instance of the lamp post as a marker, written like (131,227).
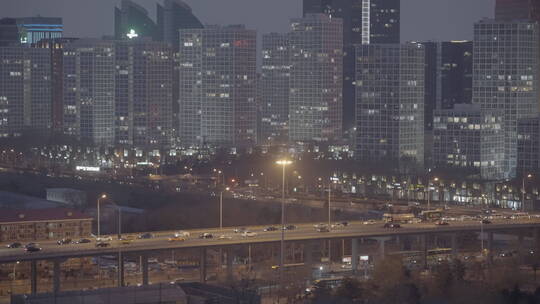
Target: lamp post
(103,196)
(221,208)
(429,193)
(523,191)
(283,163)
(14,275)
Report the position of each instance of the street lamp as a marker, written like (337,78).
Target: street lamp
(429,192)
(283,163)
(103,196)
(14,275)
(221,208)
(523,191)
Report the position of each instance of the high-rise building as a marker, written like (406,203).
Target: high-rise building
(364,22)
(143,98)
(218,83)
(390,104)
(25,91)
(9,32)
(508,10)
(454,73)
(430,82)
(172,16)
(448,76)
(528,145)
(89,91)
(33,29)
(132,21)
(55,47)
(505,75)
(316,83)
(274,85)
(471,139)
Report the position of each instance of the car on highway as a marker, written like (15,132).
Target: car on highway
(289,227)
(32,249)
(442,223)
(392,225)
(270,228)
(206,235)
(184,234)
(369,222)
(31,245)
(249,234)
(64,241)
(14,245)
(176,239)
(320,225)
(177,281)
(126,240)
(102,244)
(485,221)
(104,239)
(337,225)
(322,229)
(225,237)
(240,230)
(83,241)
(146,235)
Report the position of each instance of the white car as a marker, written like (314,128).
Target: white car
(225,237)
(104,239)
(183,234)
(249,234)
(369,222)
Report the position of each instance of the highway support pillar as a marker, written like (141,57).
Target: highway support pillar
(229,253)
(33,277)
(490,248)
(202,265)
(354,255)
(454,243)
(144,270)
(308,253)
(56,276)
(424,249)
(121,282)
(520,249)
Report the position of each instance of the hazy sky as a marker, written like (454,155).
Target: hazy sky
(420,19)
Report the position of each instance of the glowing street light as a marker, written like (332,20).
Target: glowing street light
(283,163)
(132,34)
(528,176)
(103,196)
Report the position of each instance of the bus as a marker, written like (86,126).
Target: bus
(431,215)
(403,218)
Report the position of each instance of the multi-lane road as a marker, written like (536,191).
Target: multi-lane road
(303,232)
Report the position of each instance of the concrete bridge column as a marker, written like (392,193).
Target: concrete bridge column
(490,248)
(121,282)
(56,275)
(536,238)
(354,255)
(454,242)
(202,265)
(308,253)
(144,270)
(229,260)
(424,249)
(520,248)
(33,277)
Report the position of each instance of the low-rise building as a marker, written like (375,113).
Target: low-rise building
(43,224)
